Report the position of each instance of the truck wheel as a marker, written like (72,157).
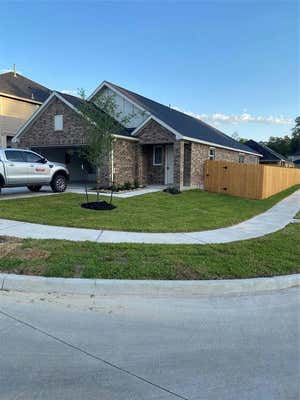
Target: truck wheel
(59,183)
(34,188)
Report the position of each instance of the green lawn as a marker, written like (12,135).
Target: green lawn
(275,254)
(157,212)
(298,215)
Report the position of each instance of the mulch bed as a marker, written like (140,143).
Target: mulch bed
(98,205)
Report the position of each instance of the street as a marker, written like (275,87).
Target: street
(65,347)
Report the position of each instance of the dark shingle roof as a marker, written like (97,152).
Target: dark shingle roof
(267,153)
(20,86)
(186,125)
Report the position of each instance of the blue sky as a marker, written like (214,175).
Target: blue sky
(233,63)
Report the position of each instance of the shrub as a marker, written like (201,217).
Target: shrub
(172,190)
(127,186)
(136,184)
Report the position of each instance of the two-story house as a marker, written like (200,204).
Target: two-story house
(19,98)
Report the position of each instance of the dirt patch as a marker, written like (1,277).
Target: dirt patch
(12,248)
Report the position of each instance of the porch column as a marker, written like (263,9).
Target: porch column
(178,163)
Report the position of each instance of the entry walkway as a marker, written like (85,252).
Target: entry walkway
(270,221)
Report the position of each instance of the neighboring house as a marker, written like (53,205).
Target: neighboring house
(269,156)
(295,156)
(19,99)
(159,145)
(297,163)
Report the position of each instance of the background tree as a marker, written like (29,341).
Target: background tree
(286,145)
(295,142)
(103,120)
(237,137)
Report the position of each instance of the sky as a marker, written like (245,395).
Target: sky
(234,64)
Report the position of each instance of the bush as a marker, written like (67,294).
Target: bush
(172,190)
(127,186)
(136,184)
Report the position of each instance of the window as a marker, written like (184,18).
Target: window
(32,157)
(157,155)
(8,141)
(212,153)
(58,123)
(14,155)
(241,158)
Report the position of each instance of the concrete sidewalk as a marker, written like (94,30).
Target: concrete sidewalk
(268,222)
(23,192)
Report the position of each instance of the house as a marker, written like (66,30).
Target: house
(19,99)
(295,156)
(158,145)
(269,156)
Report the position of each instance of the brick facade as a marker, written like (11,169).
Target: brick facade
(132,160)
(41,132)
(200,153)
(153,133)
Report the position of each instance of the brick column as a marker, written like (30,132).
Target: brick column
(178,163)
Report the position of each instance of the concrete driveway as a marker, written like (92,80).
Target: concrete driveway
(137,348)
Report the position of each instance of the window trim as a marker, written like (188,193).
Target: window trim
(153,155)
(61,124)
(241,155)
(210,156)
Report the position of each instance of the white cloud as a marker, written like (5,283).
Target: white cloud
(244,117)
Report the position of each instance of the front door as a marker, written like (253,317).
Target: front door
(169,165)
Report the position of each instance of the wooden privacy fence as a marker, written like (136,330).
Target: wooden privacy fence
(248,180)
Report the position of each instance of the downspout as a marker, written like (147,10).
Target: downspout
(112,164)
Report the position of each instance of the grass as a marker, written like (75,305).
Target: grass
(157,212)
(298,215)
(275,254)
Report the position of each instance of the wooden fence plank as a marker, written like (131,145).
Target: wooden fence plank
(248,180)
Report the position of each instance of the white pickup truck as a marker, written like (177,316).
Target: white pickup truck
(26,168)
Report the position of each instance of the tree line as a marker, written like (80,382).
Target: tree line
(285,145)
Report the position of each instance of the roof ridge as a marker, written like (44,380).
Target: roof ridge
(198,120)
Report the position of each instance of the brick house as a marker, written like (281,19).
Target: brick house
(159,145)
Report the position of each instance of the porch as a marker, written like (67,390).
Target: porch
(167,164)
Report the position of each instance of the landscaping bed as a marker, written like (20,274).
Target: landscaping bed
(193,210)
(275,254)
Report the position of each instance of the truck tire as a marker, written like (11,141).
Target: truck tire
(34,188)
(59,183)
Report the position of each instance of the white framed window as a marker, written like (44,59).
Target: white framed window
(157,155)
(212,153)
(241,158)
(58,122)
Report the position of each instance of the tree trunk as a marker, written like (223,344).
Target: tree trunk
(98,181)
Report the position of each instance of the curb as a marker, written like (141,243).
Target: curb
(115,287)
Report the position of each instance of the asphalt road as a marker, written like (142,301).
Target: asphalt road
(137,348)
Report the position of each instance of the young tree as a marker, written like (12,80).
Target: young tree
(103,120)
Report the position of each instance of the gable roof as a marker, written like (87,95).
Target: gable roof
(186,126)
(267,153)
(70,101)
(19,86)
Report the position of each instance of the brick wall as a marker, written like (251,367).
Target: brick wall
(41,132)
(126,161)
(153,133)
(200,153)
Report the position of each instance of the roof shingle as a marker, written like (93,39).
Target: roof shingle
(20,86)
(186,125)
